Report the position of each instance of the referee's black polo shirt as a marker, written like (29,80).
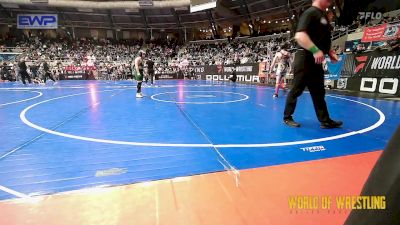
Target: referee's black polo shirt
(314,22)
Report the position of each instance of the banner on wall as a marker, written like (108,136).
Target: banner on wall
(80,68)
(245,73)
(37,21)
(392,32)
(389,86)
(377,64)
(166,76)
(74,75)
(381,33)
(334,70)
(8,56)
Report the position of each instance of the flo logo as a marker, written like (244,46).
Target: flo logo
(361,60)
(372,15)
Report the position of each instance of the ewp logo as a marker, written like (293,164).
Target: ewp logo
(34,21)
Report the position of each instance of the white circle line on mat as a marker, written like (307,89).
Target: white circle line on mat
(260,145)
(24,100)
(244,97)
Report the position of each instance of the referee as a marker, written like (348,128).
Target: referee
(23,71)
(150,71)
(47,72)
(313,36)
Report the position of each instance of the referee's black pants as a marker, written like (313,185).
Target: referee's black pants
(310,75)
(47,74)
(151,76)
(25,75)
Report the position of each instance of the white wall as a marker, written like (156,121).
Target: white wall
(341,42)
(355,36)
(94,34)
(110,34)
(4,30)
(126,35)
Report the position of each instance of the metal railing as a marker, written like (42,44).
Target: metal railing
(358,29)
(251,39)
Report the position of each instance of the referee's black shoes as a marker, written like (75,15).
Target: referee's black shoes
(331,124)
(326,125)
(291,123)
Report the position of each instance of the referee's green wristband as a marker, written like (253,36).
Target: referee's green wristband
(314,49)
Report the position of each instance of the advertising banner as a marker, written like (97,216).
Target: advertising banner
(8,56)
(80,68)
(334,70)
(166,76)
(377,64)
(389,86)
(381,33)
(74,75)
(245,72)
(37,21)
